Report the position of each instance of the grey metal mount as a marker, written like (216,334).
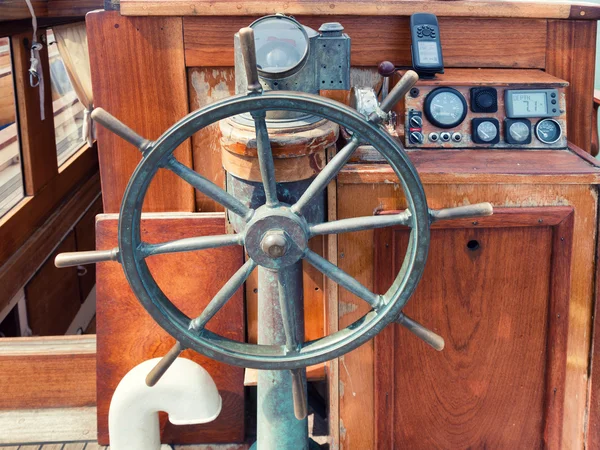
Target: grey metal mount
(275,236)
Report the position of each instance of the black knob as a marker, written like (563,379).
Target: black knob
(416,137)
(416,122)
(484,100)
(386,69)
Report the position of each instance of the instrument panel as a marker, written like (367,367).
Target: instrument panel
(490,108)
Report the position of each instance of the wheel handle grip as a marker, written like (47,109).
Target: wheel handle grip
(163,365)
(249,55)
(71,259)
(408,80)
(462,212)
(298,393)
(425,334)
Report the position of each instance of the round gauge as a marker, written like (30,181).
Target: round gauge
(519,132)
(487,131)
(548,131)
(281,45)
(445,107)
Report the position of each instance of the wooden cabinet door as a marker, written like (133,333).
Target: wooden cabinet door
(497,289)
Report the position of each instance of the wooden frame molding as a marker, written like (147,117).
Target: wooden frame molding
(48,372)
(515,9)
(561,220)
(23,264)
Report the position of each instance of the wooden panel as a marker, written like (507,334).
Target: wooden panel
(48,425)
(571,46)
(17,270)
(511,8)
(37,136)
(138,75)
(61,8)
(485,166)
(53,294)
(467,42)
(49,372)
(85,236)
(15,9)
(356,256)
(486,376)
(207,86)
(127,335)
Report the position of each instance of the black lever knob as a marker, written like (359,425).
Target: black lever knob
(386,69)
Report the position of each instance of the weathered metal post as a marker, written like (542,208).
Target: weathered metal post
(299,144)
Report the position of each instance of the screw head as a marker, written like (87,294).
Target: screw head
(274,243)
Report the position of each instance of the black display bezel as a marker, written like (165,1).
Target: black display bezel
(507,137)
(476,122)
(427,107)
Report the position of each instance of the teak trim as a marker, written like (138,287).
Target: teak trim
(561,219)
(516,9)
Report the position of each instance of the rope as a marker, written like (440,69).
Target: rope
(36,78)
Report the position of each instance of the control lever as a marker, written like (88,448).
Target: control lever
(386,69)
(405,84)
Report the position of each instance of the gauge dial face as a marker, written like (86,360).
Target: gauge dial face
(519,131)
(487,131)
(445,107)
(548,131)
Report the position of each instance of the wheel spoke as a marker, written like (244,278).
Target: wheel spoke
(288,314)
(361,223)
(265,158)
(209,189)
(426,335)
(326,175)
(342,278)
(113,124)
(291,327)
(191,244)
(71,259)
(462,212)
(223,296)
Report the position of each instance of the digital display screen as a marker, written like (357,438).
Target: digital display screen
(428,53)
(529,104)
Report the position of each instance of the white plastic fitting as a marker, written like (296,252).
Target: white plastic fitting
(186,392)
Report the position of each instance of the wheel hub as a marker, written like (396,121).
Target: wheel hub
(276,237)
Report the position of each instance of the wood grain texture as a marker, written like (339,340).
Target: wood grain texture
(49,372)
(485,167)
(467,42)
(593,428)
(472,395)
(52,294)
(37,140)
(123,53)
(48,425)
(127,335)
(23,264)
(511,8)
(595,145)
(205,87)
(356,256)
(571,47)
(85,236)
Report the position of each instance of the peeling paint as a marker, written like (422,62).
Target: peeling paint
(345,308)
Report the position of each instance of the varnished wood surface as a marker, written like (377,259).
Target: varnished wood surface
(21,266)
(127,335)
(207,85)
(487,387)
(356,256)
(530,8)
(49,372)
(492,398)
(467,42)
(129,58)
(16,9)
(572,46)
(36,137)
(52,294)
(493,77)
(484,166)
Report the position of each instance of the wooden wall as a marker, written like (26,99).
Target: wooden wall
(198,53)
